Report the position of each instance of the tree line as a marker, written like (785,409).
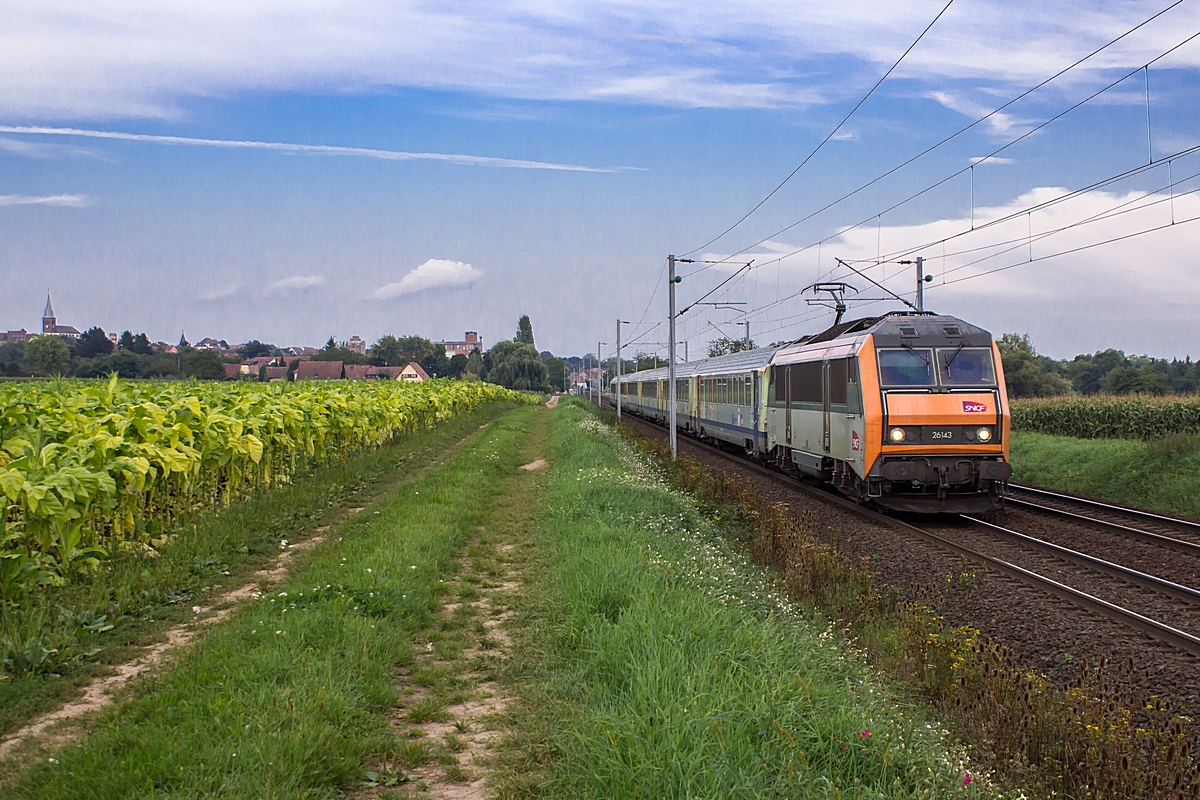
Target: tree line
(1027,373)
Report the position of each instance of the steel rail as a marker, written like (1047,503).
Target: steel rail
(1131,513)
(1178,545)
(1156,630)
(1176,590)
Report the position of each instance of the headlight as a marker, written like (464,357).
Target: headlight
(897,435)
(984,434)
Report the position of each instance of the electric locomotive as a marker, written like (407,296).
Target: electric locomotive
(907,410)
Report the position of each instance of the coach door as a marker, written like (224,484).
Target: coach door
(787,404)
(825,404)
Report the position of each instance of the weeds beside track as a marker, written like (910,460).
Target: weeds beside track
(661,663)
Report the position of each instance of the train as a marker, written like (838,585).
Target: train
(905,411)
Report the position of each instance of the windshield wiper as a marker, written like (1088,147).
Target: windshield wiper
(957,350)
(917,353)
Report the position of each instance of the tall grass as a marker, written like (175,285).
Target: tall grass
(668,667)
(1098,737)
(1162,474)
(287,697)
(1109,416)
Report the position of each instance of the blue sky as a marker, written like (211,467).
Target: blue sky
(576,145)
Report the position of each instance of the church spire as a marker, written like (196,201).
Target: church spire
(48,319)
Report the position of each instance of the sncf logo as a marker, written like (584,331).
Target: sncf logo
(974,408)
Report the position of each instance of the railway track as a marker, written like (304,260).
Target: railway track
(1052,502)
(1160,631)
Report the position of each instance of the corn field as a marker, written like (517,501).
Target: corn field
(86,466)
(1109,417)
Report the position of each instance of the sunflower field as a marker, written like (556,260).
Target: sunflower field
(86,466)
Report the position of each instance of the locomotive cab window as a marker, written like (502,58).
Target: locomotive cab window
(966,366)
(906,367)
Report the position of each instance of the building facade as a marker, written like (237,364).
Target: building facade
(50,324)
(471,344)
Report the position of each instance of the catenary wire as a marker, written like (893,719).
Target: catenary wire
(828,137)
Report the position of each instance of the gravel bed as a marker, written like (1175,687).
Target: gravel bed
(1163,528)
(1161,562)
(1043,632)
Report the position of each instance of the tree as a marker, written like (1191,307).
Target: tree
(1027,374)
(93,342)
(556,373)
(386,352)
(474,370)
(204,365)
(436,364)
(48,354)
(139,344)
(254,349)
(641,361)
(458,365)
(725,346)
(524,330)
(517,366)
(162,365)
(1087,372)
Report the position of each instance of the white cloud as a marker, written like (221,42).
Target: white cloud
(433,274)
(996,160)
(70,200)
(302,149)
(295,282)
(221,292)
(107,59)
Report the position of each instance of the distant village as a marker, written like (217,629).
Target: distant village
(64,350)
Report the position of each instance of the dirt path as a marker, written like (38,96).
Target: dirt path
(56,728)
(452,718)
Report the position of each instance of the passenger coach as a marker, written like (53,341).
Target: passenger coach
(907,410)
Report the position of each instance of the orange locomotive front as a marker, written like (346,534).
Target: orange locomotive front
(907,411)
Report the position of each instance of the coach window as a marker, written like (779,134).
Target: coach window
(906,367)
(838,378)
(853,389)
(806,383)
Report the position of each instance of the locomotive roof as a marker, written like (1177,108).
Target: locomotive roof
(890,330)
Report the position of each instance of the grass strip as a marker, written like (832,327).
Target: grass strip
(285,698)
(1162,474)
(102,619)
(661,663)
(1097,734)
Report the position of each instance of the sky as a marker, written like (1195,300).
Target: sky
(290,172)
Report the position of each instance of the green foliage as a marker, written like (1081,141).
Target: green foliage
(1108,416)
(291,694)
(121,460)
(254,349)
(458,365)
(725,346)
(1162,474)
(139,344)
(517,366)
(524,330)
(556,375)
(1029,374)
(48,354)
(643,361)
(1026,373)
(93,342)
(666,666)
(204,365)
